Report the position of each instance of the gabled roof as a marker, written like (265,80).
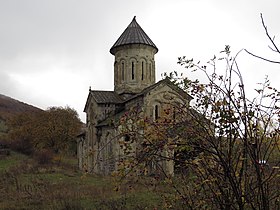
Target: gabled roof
(133,34)
(102,97)
(111,119)
(166,82)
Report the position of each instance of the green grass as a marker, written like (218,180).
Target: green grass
(26,185)
(8,161)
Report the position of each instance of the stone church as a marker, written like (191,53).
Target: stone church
(134,86)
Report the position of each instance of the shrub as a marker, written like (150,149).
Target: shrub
(44,156)
(23,146)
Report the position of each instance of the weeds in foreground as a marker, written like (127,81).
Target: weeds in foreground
(29,185)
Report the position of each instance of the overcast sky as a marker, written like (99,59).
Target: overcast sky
(51,51)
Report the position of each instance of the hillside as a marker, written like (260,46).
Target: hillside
(10,107)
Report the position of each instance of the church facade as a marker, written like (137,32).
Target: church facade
(135,87)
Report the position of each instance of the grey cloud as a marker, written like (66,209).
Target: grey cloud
(38,36)
(7,85)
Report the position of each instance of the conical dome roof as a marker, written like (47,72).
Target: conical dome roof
(133,34)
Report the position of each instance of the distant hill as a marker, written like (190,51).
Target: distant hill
(10,107)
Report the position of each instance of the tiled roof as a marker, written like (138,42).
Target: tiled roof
(133,34)
(111,119)
(101,96)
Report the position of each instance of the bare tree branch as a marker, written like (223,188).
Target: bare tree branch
(265,59)
(275,49)
(267,34)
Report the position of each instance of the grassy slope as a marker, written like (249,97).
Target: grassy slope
(10,107)
(27,185)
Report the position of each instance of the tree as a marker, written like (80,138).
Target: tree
(57,129)
(20,132)
(54,129)
(243,139)
(227,144)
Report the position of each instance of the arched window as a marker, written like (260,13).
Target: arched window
(132,71)
(122,71)
(150,69)
(142,71)
(126,138)
(156,112)
(174,113)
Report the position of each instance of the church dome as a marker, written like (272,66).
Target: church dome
(133,34)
